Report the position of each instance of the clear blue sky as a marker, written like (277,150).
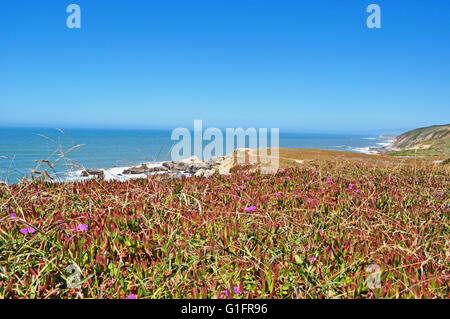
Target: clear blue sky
(297,65)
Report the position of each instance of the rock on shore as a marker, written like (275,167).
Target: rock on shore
(93,172)
(191,166)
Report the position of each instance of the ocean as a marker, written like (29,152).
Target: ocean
(21,149)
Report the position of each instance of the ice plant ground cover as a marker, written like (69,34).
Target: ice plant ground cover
(306,232)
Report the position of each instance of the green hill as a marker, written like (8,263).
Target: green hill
(427,141)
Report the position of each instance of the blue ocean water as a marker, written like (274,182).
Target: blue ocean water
(22,148)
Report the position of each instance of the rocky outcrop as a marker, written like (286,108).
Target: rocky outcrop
(225,166)
(191,166)
(143,169)
(205,172)
(174,166)
(93,172)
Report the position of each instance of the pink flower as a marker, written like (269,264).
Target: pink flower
(225,292)
(250,209)
(131,296)
(440,193)
(312,259)
(28,230)
(416,180)
(81,227)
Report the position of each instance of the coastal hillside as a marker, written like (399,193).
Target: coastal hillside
(427,141)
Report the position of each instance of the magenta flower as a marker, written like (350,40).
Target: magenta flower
(416,180)
(350,186)
(131,296)
(277,194)
(250,209)
(312,259)
(440,193)
(225,293)
(237,290)
(329,181)
(312,213)
(28,230)
(81,227)
(13,215)
(357,191)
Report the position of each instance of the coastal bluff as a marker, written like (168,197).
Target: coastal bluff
(425,141)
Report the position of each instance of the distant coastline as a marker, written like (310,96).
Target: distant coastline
(111,150)
(387,137)
(425,141)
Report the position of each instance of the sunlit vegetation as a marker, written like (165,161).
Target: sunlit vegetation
(309,231)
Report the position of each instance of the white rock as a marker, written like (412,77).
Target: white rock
(191,160)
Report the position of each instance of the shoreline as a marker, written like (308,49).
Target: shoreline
(192,166)
(116,151)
